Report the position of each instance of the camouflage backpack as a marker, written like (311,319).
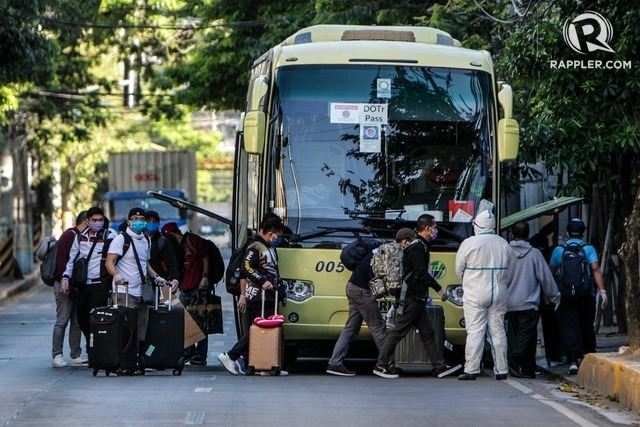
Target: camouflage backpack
(386,265)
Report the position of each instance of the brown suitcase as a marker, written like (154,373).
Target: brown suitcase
(265,347)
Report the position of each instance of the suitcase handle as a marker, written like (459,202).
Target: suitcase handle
(126,294)
(159,294)
(275,309)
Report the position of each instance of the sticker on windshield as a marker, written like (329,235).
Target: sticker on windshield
(461,210)
(345,113)
(370,138)
(384,88)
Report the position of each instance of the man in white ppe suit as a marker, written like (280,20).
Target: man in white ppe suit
(482,263)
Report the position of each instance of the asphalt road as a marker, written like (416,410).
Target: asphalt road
(32,393)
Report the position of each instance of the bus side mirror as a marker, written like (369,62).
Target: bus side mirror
(508,129)
(508,139)
(254,132)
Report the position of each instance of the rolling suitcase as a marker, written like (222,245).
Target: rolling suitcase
(410,353)
(265,345)
(113,340)
(163,346)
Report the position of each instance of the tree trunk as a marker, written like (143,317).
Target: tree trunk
(629,253)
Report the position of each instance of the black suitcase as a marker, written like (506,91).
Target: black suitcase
(410,353)
(163,346)
(113,339)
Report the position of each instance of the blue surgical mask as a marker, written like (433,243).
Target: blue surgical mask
(276,242)
(138,226)
(153,227)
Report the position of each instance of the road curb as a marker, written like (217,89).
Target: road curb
(612,375)
(10,290)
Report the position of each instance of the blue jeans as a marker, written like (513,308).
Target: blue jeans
(199,350)
(362,306)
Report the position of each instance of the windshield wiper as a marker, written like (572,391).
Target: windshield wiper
(323,231)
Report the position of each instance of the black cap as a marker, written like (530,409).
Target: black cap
(576,227)
(136,212)
(152,214)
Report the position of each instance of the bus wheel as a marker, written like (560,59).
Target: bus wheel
(290,355)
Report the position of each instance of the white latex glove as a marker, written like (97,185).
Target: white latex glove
(603,299)
(160,281)
(174,285)
(204,283)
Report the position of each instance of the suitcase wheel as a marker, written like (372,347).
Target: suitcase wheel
(107,372)
(276,371)
(177,372)
(251,371)
(95,371)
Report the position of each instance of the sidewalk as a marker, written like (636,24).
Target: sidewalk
(605,372)
(12,288)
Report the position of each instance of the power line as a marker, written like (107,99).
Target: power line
(193,25)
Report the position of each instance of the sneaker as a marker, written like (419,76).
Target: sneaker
(467,377)
(573,369)
(446,370)
(273,374)
(197,361)
(501,377)
(515,372)
(385,372)
(228,364)
(79,361)
(59,362)
(239,364)
(340,370)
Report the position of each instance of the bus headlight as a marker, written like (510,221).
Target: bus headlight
(299,290)
(454,293)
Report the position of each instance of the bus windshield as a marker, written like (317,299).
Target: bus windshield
(433,154)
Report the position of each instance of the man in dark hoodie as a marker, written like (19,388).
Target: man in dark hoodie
(529,273)
(412,310)
(260,268)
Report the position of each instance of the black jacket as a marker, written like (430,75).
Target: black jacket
(362,274)
(416,260)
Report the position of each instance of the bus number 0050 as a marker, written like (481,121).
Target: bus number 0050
(329,267)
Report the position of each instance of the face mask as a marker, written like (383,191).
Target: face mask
(96,226)
(138,226)
(153,227)
(276,242)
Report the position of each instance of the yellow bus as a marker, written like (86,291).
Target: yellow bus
(358,130)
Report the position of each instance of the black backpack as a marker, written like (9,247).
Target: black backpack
(355,251)
(574,272)
(106,279)
(232,274)
(216,264)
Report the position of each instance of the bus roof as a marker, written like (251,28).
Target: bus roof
(333,33)
(344,44)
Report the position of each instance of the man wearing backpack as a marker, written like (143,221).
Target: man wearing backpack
(362,306)
(412,309)
(65,304)
(88,245)
(577,269)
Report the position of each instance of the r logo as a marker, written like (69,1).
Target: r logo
(588,32)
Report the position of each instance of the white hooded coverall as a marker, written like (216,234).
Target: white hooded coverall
(482,263)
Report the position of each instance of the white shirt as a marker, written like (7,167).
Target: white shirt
(80,248)
(127,266)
